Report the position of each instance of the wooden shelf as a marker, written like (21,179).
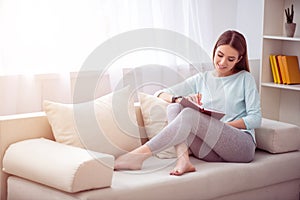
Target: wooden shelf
(281,86)
(277,37)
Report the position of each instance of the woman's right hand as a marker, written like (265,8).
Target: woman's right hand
(195,98)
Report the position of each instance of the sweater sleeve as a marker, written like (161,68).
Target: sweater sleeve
(185,88)
(252,102)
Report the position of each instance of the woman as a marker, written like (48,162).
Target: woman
(229,88)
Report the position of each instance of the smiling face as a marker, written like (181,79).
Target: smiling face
(230,54)
(225,59)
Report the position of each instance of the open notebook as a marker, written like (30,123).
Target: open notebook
(214,113)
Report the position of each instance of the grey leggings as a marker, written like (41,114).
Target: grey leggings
(208,139)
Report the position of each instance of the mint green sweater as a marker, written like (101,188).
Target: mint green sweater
(236,95)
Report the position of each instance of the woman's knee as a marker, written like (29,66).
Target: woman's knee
(174,107)
(173,110)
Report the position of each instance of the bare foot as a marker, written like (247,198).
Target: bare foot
(133,160)
(182,166)
(129,161)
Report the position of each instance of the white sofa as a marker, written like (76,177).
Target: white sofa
(273,174)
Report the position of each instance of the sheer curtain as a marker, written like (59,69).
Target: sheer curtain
(57,35)
(44,42)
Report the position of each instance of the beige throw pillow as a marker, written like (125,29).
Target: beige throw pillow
(277,137)
(107,124)
(155,119)
(60,166)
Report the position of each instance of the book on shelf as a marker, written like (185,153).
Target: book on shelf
(211,112)
(282,69)
(291,66)
(285,69)
(275,69)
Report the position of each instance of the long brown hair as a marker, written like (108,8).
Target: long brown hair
(237,41)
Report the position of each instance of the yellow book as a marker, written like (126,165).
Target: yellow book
(276,67)
(273,69)
(292,69)
(282,69)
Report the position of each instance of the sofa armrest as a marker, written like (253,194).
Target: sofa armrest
(14,128)
(277,137)
(64,167)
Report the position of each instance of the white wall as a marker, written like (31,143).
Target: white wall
(249,20)
(242,15)
(221,16)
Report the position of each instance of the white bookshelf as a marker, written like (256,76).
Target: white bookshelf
(279,101)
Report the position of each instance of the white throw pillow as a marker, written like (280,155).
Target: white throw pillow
(107,124)
(60,166)
(155,119)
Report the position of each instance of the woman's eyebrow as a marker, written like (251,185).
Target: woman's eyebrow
(220,52)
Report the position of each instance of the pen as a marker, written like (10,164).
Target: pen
(198,98)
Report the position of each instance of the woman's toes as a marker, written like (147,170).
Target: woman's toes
(178,171)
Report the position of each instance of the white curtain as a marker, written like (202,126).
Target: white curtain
(43,41)
(44,36)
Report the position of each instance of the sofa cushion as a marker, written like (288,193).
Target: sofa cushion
(277,137)
(155,119)
(60,166)
(107,124)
